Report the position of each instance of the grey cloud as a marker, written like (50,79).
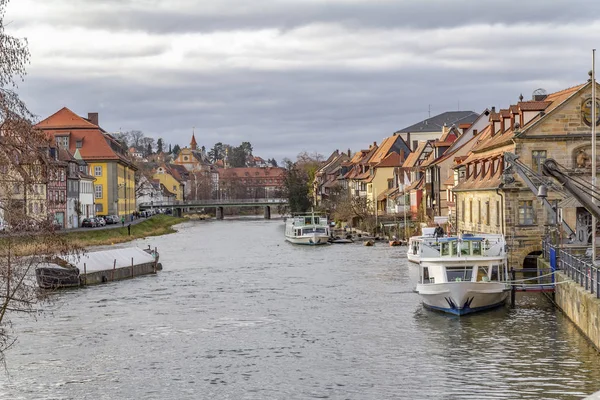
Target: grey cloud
(237,14)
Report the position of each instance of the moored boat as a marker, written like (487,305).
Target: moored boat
(307,229)
(97,267)
(464,275)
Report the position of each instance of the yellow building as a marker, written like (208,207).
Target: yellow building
(173,178)
(114,187)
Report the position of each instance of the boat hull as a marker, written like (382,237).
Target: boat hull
(57,277)
(461,298)
(309,240)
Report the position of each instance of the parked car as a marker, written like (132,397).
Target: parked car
(100,221)
(89,223)
(115,219)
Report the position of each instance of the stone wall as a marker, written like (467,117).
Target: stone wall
(582,307)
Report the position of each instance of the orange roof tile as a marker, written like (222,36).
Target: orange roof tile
(391,160)
(95,143)
(533,105)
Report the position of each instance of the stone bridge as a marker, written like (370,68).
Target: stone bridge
(179,207)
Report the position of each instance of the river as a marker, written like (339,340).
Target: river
(238,313)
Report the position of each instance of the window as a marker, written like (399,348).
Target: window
(62,196)
(462,211)
(98,191)
(98,171)
(62,175)
(428,176)
(526,212)
(174,187)
(497,213)
(459,274)
(487,212)
(470,210)
(79,144)
(538,157)
(478,211)
(415,144)
(62,141)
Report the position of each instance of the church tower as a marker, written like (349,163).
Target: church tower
(193,143)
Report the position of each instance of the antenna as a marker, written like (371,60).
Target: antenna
(430,111)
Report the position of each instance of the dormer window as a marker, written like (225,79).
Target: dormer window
(79,144)
(62,141)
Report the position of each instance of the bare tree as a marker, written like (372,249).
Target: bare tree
(28,237)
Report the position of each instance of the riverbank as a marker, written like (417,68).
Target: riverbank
(155,226)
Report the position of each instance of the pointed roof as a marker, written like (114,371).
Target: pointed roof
(65,119)
(435,123)
(193,143)
(391,160)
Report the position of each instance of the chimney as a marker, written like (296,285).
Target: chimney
(349,154)
(474,132)
(93,117)
(493,109)
(374,144)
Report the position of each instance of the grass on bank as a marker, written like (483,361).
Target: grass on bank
(31,244)
(157,225)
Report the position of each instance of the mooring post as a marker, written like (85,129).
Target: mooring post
(513,288)
(132,267)
(84,274)
(112,275)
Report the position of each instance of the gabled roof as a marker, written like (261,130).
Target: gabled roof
(389,144)
(94,143)
(414,158)
(435,124)
(65,119)
(391,160)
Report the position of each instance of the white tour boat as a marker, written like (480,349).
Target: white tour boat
(309,229)
(462,275)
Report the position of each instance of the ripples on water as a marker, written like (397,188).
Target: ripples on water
(237,313)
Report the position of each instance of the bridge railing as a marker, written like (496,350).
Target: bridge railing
(214,202)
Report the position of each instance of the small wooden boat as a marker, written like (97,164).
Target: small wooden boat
(369,243)
(395,243)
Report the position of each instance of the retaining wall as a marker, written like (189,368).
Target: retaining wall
(582,307)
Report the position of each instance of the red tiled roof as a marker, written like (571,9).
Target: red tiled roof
(391,160)
(533,105)
(95,143)
(253,172)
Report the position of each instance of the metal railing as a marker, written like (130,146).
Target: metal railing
(215,202)
(576,263)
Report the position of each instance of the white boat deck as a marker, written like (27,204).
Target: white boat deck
(109,259)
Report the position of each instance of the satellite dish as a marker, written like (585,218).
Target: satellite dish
(539,94)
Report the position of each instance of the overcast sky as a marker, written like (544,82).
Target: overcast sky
(295,75)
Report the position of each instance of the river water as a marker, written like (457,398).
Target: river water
(238,313)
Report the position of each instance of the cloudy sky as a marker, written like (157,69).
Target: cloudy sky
(295,75)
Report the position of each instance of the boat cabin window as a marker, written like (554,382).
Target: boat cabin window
(444,249)
(307,221)
(476,246)
(454,246)
(494,276)
(458,274)
(464,248)
(482,274)
(425,275)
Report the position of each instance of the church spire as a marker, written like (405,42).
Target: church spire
(193,143)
